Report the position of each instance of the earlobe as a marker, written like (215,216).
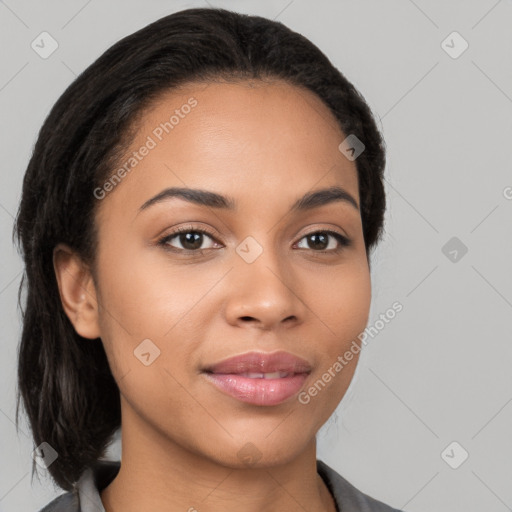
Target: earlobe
(77,291)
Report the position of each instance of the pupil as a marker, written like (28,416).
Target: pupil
(324,243)
(185,239)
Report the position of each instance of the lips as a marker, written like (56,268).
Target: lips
(253,364)
(259,378)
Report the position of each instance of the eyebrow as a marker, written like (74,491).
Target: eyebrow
(309,201)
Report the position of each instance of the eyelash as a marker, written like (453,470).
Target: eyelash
(344,242)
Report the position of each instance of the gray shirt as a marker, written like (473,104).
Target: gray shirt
(85,497)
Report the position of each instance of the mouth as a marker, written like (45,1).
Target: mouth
(273,375)
(258,363)
(260,378)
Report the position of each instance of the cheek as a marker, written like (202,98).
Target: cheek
(343,306)
(143,332)
(140,319)
(341,301)
(157,395)
(144,295)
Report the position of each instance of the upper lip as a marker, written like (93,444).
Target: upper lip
(261,362)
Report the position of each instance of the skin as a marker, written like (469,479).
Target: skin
(265,144)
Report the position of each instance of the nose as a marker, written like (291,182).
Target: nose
(266,293)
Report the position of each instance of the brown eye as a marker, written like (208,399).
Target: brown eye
(190,240)
(318,241)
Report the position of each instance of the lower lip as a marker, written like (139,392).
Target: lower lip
(258,391)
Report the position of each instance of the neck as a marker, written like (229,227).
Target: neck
(160,475)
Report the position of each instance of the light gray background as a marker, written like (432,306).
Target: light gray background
(440,370)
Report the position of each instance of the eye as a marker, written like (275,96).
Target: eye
(320,241)
(190,239)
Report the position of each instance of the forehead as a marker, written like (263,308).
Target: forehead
(254,140)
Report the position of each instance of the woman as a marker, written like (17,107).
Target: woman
(196,223)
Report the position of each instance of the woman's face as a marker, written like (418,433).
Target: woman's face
(259,280)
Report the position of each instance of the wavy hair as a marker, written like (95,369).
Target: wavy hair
(64,380)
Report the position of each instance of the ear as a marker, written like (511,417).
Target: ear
(77,291)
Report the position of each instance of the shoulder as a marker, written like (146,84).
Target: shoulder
(348,497)
(67,502)
(87,490)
